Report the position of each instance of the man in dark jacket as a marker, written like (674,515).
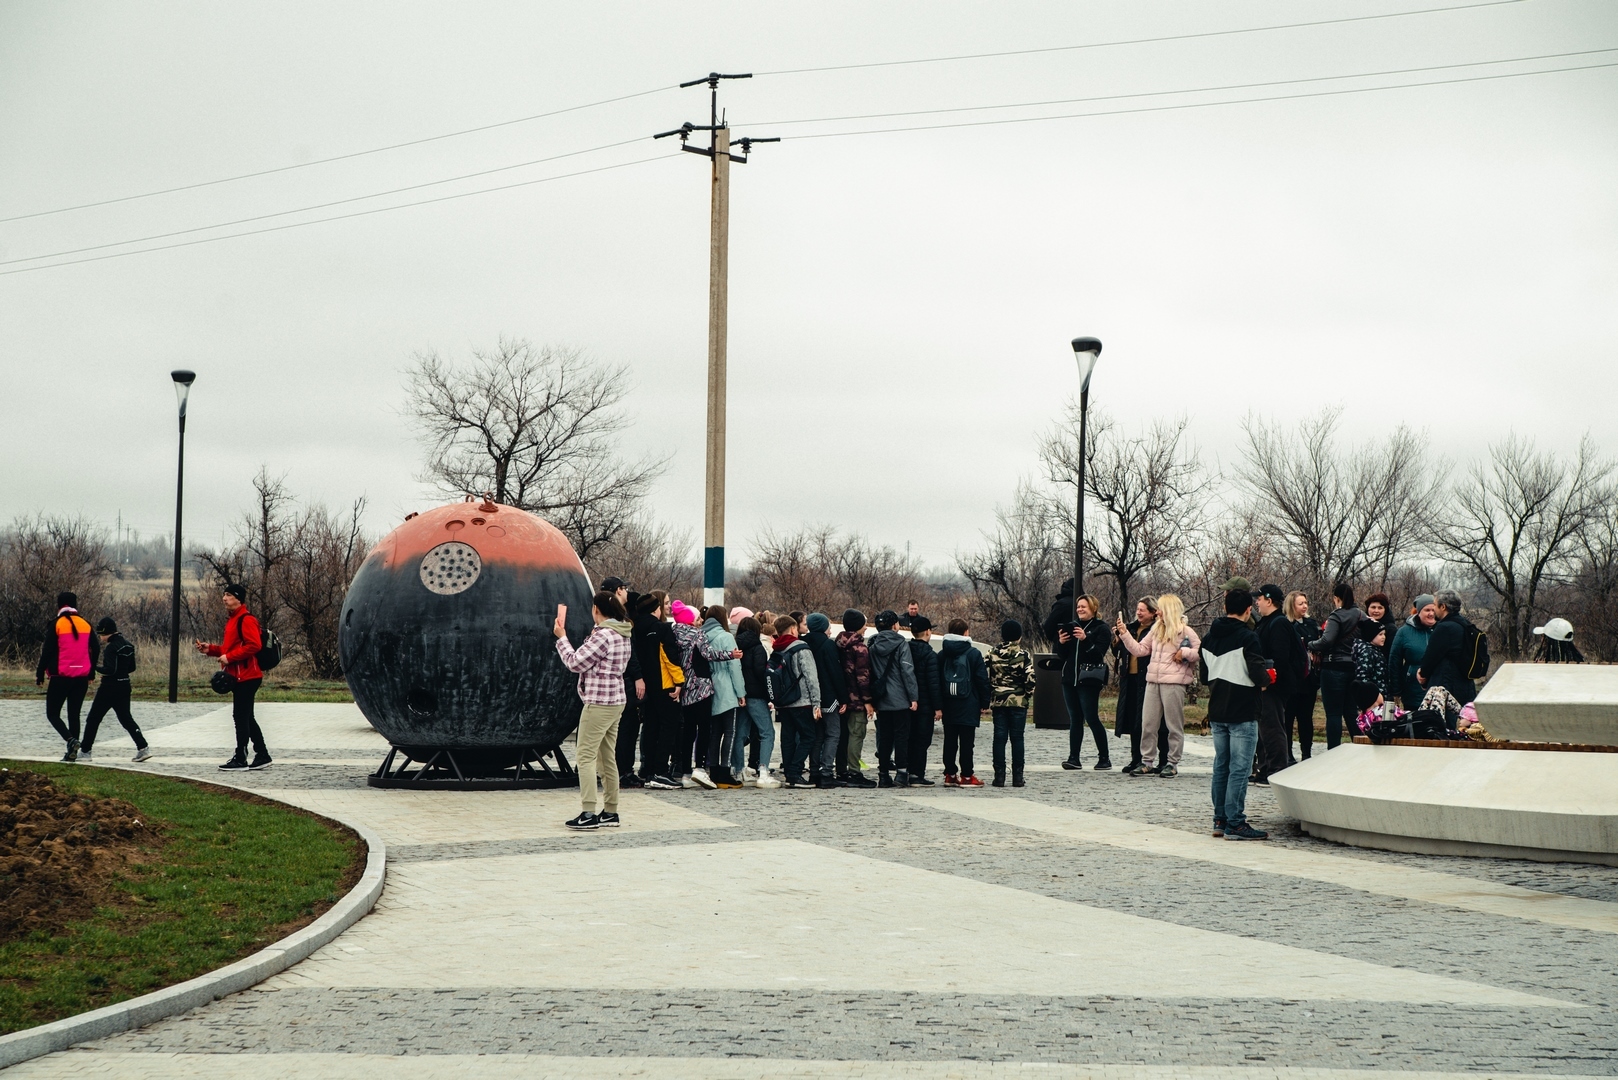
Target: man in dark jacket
(116,665)
(859,709)
(661,720)
(1446,661)
(1280,645)
(893,690)
(964,693)
(829,673)
(1233,667)
(925,661)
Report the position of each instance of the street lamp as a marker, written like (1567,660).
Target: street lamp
(182,390)
(1086,350)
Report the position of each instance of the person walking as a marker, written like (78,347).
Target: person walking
(829,674)
(1083,644)
(112,694)
(1456,649)
(1280,646)
(753,717)
(1409,646)
(68,659)
(1335,648)
(1132,688)
(1011,685)
(964,693)
(1172,647)
(893,691)
(238,650)
(634,691)
(1234,670)
(599,663)
(860,710)
(658,652)
(795,690)
(925,662)
(1301,702)
(729,697)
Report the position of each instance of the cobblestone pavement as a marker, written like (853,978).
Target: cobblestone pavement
(1085,925)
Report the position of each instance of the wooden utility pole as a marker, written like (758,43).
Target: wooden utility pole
(718,151)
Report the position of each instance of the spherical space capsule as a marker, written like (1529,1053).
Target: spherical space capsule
(446,635)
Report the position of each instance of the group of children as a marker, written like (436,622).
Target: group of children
(705,688)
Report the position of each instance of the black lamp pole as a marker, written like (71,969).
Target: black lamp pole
(1085,350)
(182,389)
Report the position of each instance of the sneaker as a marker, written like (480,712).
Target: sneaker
(971,781)
(260,761)
(700,778)
(1261,781)
(72,751)
(1168,772)
(860,780)
(86,758)
(796,782)
(1244,831)
(1219,826)
(765,780)
(885,781)
(143,754)
(920,781)
(825,783)
(749,773)
(1132,769)
(1071,764)
(901,779)
(237,763)
(1102,766)
(631,781)
(1146,770)
(608,819)
(585,822)
(662,783)
(951,780)
(689,781)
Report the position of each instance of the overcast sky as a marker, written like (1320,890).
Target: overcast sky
(901,304)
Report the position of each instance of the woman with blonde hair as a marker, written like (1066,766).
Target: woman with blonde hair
(1300,712)
(1173,647)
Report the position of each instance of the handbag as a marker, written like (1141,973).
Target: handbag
(1092,673)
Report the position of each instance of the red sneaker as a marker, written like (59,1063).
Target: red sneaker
(971,781)
(951,780)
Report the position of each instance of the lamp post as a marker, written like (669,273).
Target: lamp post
(182,390)
(1086,350)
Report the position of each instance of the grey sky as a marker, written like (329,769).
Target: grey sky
(900,304)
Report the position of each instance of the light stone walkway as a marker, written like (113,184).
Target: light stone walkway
(1085,926)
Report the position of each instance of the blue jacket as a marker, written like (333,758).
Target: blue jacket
(728,686)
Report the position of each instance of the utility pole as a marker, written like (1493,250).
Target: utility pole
(720,157)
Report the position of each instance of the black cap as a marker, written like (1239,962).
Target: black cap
(1272,593)
(107,626)
(886,619)
(238,591)
(613,584)
(920,624)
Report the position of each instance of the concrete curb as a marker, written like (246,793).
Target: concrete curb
(136,1012)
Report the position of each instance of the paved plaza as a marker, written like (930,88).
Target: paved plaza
(1086,926)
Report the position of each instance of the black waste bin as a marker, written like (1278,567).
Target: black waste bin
(1050,711)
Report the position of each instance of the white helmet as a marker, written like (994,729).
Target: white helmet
(1556,630)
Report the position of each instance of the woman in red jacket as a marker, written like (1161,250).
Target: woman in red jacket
(238,655)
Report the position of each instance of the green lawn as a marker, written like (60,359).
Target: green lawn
(234,874)
(155,687)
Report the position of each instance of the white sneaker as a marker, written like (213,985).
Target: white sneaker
(85,757)
(142,754)
(687,781)
(766,781)
(750,780)
(701,777)
(749,773)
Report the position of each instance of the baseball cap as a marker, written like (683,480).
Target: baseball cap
(1556,629)
(1236,583)
(1272,593)
(613,584)
(920,624)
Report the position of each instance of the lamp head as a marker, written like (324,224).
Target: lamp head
(1086,350)
(182,387)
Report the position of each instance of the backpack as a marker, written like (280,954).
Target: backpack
(957,676)
(1474,661)
(783,676)
(269,650)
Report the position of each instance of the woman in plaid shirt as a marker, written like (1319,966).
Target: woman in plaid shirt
(600,664)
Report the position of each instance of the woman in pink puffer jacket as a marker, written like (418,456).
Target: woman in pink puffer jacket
(1174,648)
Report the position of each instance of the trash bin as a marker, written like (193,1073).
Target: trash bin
(1050,711)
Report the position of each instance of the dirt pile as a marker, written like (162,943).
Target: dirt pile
(60,852)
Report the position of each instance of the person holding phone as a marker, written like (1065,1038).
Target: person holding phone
(599,664)
(1174,649)
(1082,644)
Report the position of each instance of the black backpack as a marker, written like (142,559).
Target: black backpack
(783,676)
(1474,662)
(957,676)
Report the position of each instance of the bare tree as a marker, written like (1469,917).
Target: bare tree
(1594,599)
(1150,489)
(819,569)
(650,556)
(1017,573)
(1512,523)
(40,557)
(1336,515)
(324,553)
(535,428)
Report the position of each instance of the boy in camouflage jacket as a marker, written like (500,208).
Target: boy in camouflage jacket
(1011,680)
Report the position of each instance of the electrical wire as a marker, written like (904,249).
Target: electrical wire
(1195,104)
(338,217)
(316,206)
(335,157)
(1136,41)
(1192,90)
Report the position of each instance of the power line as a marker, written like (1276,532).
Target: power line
(316,206)
(1189,90)
(336,217)
(1196,104)
(1138,41)
(335,157)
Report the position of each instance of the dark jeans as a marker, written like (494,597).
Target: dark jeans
(661,726)
(1272,735)
(1334,686)
(1084,707)
(628,732)
(1301,711)
(893,740)
(1008,724)
(241,711)
(921,741)
(721,731)
(964,739)
(111,694)
(694,733)
(798,742)
(69,690)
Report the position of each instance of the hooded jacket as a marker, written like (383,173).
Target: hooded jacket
(828,668)
(962,710)
(649,633)
(117,660)
(599,662)
(1011,676)
(1280,644)
(70,649)
(856,667)
(893,673)
(1233,667)
(755,664)
(1335,645)
(729,684)
(925,663)
(790,650)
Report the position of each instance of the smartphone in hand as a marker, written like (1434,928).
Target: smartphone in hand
(560,627)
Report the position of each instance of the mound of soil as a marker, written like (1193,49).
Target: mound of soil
(61,852)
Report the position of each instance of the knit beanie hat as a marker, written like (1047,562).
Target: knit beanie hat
(853,619)
(738,613)
(1423,600)
(818,623)
(238,591)
(1011,630)
(683,613)
(66,599)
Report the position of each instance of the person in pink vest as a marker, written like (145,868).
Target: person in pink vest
(238,655)
(68,659)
